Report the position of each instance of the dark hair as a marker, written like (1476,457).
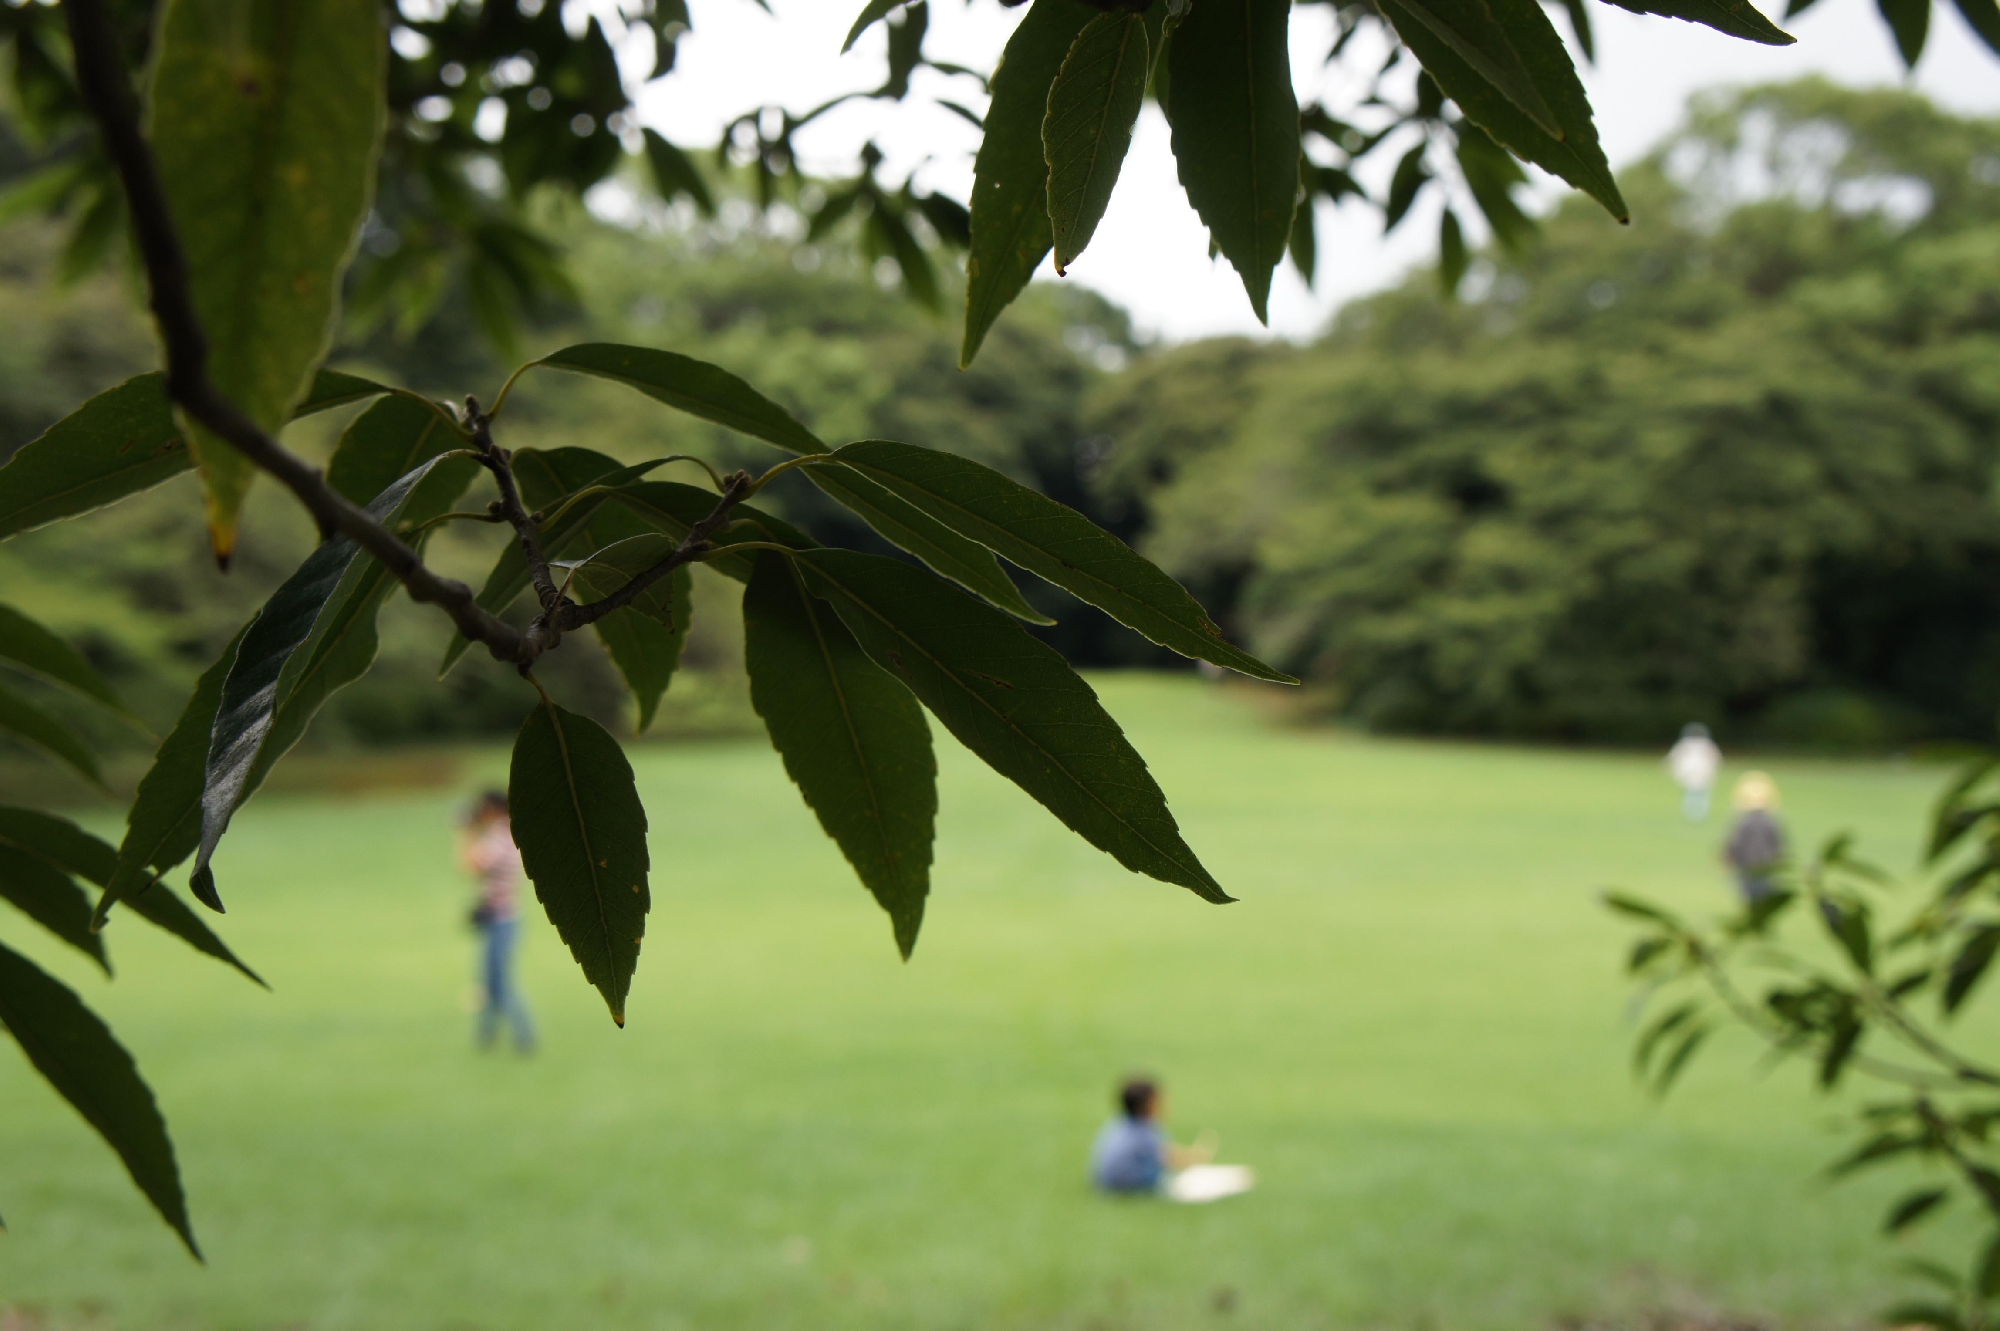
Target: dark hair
(1136,1096)
(491,801)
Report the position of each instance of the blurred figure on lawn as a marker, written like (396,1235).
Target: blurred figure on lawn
(1133,1154)
(1693,761)
(1756,845)
(487,851)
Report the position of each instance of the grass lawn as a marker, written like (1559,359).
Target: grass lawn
(1411,1025)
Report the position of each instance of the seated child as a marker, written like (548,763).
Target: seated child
(1132,1153)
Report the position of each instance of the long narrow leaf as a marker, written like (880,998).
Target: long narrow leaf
(966,562)
(853,739)
(1573,155)
(30,724)
(46,895)
(1235,125)
(77,1054)
(690,385)
(247,712)
(1013,701)
(117,444)
(582,834)
(1738,18)
(266,118)
(673,508)
(1051,541)
(1093,106)
(1011,234)
(32,647)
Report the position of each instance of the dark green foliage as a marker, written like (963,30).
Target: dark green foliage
(1015,703)
(646,638)
(690,385)
(852,738)
(46,895)
(1737,471)
(78,1055)
(26,644)
(1011,232)
(1093,106)
(582,834)
(1573,154)
(31,724)
(911,527)
(1052,541)
(1236,132)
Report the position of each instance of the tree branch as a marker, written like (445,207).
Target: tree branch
(107,91)
(568,615)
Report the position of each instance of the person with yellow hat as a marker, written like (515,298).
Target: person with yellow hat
(1756,845)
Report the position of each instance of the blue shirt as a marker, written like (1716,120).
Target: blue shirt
(1129,1155)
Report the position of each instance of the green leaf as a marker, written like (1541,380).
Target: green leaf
(266,116)
(853,740)
(1051,541)
(77,1054)
(1579,26)
(1882,1147)
(1910,21)
(690,385)
(1574,154)
(159,905)
(32,647)
(328,605)
(1013,701)
(387,442)
(570,486)
(119,443)
(673,508)
(1403,186)
(30,724)
(1922,1313)
(966,562)
(1663,1026)
(1989,1268)
(1640,910)
(1480,34)
(645,639)
(1970,965)
(1236,132)
(1913,1208)
(674,173)
(582,834)
(1011,233)
(1304,243)
(1677,1061)
(59,841)
(1452,256)
(46,895)
(871,14)
(1093,106)
(1738,18)
(1983,17)
(163,826)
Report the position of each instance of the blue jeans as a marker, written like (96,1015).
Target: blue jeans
(496,973)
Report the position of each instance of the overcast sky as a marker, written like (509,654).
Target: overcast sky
(1150,253)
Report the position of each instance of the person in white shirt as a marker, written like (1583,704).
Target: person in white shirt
(1694,762)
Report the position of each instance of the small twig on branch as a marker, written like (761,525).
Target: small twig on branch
(569,616)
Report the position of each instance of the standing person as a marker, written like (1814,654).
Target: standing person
(1756,845)
(1694,761)
(1132,1153)
(487,850)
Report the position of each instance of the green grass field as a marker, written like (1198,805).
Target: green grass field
(1411,1025)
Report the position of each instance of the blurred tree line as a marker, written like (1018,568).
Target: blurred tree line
(1735,462)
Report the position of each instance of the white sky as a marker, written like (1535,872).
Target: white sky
(1150,252)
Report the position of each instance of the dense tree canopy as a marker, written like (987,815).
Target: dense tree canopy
(1736,464)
